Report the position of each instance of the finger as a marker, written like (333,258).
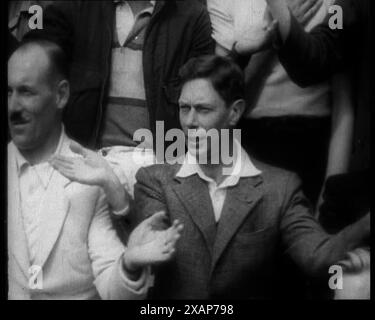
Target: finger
(61,164)
(175,223)
(77,148)
(177,226)
(174,233)
(176,229)
(173,228)
(67,160)
(310,8)
(157,219)
(173,241)
(168,251)
(307,4)
(67,173)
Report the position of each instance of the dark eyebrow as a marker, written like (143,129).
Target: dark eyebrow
(25,87)
(203,105)
(183,104)
(198,105)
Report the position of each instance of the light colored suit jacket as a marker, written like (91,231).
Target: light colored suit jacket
(80,255)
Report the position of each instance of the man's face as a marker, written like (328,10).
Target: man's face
(32,98)
(201,107)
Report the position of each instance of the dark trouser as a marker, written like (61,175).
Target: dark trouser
(298,144)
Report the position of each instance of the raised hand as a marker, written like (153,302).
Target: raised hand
(88,168)
(148,245)
(257,37)
(304,10)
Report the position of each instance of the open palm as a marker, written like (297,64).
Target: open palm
(257,37)
(88,167)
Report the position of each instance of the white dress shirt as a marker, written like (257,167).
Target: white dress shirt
(243,167)
(33,183)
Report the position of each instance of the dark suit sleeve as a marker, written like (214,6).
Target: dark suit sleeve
(306,242)
(148,195)
(58,24)
(310,58)
(202,44)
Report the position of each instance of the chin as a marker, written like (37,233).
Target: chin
(200,153)
(23,143)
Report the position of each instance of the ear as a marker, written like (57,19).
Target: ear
(236,112)
(63,93)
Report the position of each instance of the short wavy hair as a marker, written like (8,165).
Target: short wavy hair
(225,75)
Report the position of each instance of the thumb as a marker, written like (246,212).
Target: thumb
(157,220)
(77,148)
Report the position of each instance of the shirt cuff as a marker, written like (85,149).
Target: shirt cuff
(139,286)
(121,213)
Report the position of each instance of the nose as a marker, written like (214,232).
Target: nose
(191,120)
(13,102)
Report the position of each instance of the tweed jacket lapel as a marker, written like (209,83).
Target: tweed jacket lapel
(194,195)
(239,203)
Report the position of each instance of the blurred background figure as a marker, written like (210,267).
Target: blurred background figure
(18,16)
(305,130)
(307,91)
(124,72)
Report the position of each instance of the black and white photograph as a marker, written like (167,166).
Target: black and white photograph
(212,151)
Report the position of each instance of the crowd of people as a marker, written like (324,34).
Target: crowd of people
(95,213)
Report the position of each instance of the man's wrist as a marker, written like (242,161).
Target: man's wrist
(129,266)
(110,183)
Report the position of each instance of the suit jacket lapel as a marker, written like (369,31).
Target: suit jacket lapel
(239,202)
(17,242)
(194,195)
(53,211)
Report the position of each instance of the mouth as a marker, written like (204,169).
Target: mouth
(194,135)
(19,123)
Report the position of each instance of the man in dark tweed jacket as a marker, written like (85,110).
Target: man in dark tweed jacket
(236,224)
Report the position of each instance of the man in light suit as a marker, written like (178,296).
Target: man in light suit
(236,224)
(61,244)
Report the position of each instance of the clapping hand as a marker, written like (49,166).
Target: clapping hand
(148,245)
